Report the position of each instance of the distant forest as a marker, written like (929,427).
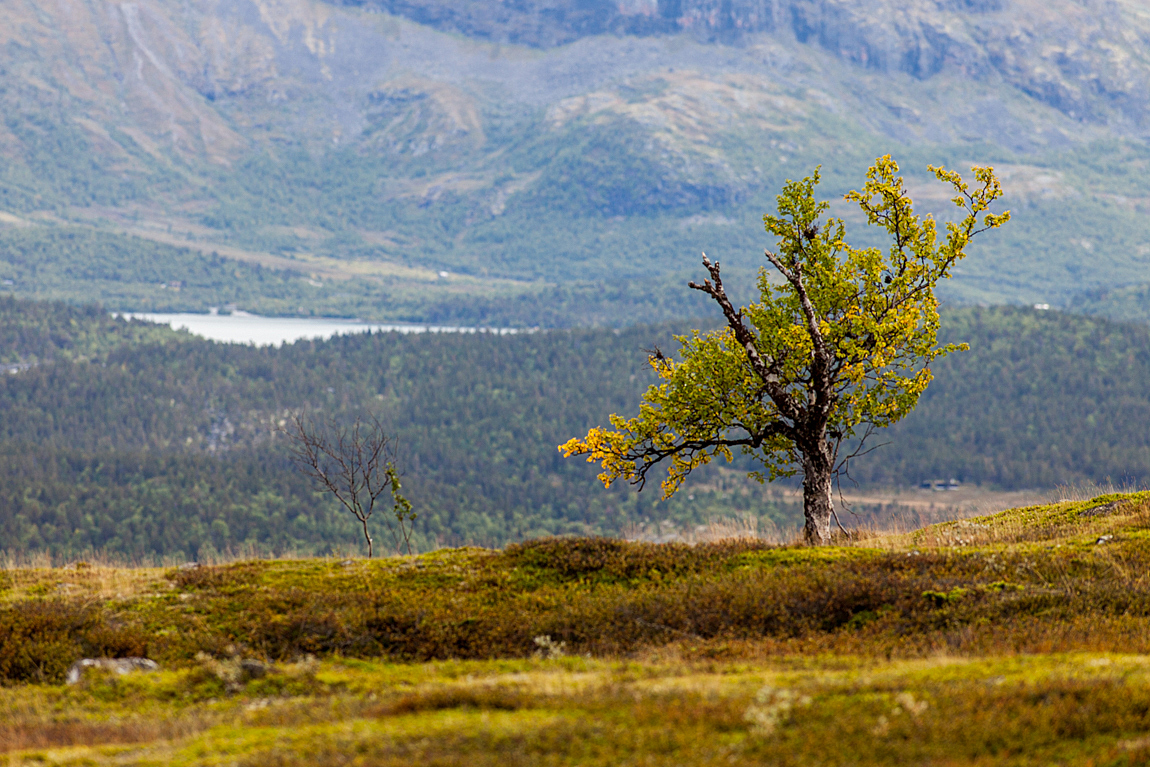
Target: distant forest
(138,440)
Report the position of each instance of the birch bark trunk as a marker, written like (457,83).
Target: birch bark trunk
(817,503)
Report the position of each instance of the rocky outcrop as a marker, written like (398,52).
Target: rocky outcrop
(1085,59)
(114,665)
(538,23)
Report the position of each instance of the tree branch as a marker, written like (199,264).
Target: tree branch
(766,370)
(651,456)
(822,357)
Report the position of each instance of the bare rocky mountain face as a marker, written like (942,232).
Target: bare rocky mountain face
(395,140)
(196,76)
(1087,59)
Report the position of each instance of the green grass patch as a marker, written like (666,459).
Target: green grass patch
(1052,709)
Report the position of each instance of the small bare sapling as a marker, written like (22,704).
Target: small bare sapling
(357,466)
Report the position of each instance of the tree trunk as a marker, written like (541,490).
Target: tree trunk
(817,504)
(367,535)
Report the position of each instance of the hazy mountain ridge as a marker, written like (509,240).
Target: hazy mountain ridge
(201,76)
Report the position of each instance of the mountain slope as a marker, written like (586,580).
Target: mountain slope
(558,144)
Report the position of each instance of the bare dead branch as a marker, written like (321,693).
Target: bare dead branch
(765,369)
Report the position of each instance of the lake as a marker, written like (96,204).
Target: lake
(244,328)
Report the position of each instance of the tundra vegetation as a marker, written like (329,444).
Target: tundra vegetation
(839,346)
(1015,638)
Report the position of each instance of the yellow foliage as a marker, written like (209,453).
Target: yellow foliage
(839,347)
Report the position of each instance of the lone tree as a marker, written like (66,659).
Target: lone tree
(357,466)
(837,348)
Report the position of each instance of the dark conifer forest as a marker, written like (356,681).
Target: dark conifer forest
(134,439)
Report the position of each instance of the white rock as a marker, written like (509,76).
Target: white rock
(117,665)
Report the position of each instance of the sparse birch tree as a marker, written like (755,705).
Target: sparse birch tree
(357,466)
(838,347)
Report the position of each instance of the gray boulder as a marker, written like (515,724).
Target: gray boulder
(116,665)
(253,669)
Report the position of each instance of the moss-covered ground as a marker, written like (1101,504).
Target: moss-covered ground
(1017,638)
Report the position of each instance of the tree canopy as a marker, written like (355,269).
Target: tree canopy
(838,345)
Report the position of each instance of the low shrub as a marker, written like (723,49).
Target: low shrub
(40,639)
(606,597)
(222,578)
(613,560)
(440,698)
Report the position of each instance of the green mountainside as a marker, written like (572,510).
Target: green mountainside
(139,440)
(553,162)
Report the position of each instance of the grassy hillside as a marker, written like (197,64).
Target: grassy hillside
(167,444)
(1003,640)
(131,273)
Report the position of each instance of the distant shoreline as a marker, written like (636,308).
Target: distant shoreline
(243,328)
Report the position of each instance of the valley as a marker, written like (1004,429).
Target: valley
(308,181)
(139,441)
